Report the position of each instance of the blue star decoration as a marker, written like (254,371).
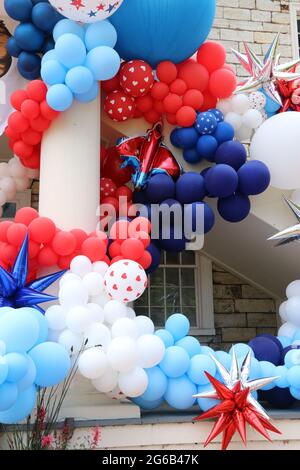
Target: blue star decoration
(111,7)
(92,13)
(15,292)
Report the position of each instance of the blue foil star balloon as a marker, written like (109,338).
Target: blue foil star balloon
(14,292)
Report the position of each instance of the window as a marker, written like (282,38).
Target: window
(22,199)
(182,283)
(295,27)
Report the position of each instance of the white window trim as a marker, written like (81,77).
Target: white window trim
(294,12)
(206,316)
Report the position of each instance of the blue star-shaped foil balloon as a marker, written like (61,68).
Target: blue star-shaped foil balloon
(15,292)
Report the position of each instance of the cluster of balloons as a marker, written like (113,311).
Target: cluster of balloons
(289,312)
(33,36)
(26,125)
(117,196)
(179,92)
(27,361)
(244,112)
(119,347)
(14,177)
(82,56)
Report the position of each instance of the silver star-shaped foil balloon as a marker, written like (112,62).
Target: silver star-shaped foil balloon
(239,374)
(292,233)
(265,73)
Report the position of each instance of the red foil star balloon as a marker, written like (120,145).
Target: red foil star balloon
(290,94)
(237,407)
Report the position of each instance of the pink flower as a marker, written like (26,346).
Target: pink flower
(46,441)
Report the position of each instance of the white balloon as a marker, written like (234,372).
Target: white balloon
(92,363)
(16,169)
(234,119)
(68,277)
(225,106)
(244,134)
(122,354)
(131,313)
(32,174)
(82,13)
(97,313)
(71,341)
(81,265)
(101,299)
(282,311)
(56,317)
(94,283)
(151,350)
(133,383)
(3,197)
(125,280)
(73,293)
(21,183)
(292,309)
(125,327)
(145,325)
(276,137)
(293,289)
(240,103)
(100,267)
(78,319)
(295,197)
(7,184)
(98,334)
(252,118)
(53,335)
(4,170)
(287,329)
(107,382)
(113,310)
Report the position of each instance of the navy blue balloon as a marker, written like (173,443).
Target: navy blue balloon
(184,137)
(19,10)
(218,114)
(48,45)
(140,197)
(175,213)
(265,349)
(29,37)
(207,146)
(29,63)
(173,244)
(221,181)
(234,208)
(224,132)
(254,177)
(191,215)
(279,397)
(155,253)
(12,47)
(157,30)
(206,123)
(45,17)
(190,187)
(231,153)
(192,156)
(160,187)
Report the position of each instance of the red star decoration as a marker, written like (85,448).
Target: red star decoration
(233,413)
(101,6)
(77,4)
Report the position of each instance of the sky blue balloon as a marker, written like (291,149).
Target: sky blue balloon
(8,395)
(103,62)
(21,408)
(292,358)
(179,393)
(68,26)
(59,97)
(4,310)
(190,344)
(176,362)
(296,335)
(295,392)
(52,72)
(224,358)
(147,405)
(90,95)
(207,351)
(50,55)
(52,363)
(19,330)
(293,376)
(43,324)
(29,378)
(241,349)
(166,337)
(206,403)
(157,384)
(285,341)
(70,50)
(156,30)
(198,366)
(17,366)
(268,370)
(3,370)
(255,369)
(79,79)
(282,382)
(178,325)
(102,33)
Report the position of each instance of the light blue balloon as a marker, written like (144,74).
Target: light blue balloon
(157,384)
(268,370)
(285,341)
(292,358)
(207,351)
(4,310)
(17,366)
(206,403)
(59,97)
(281,372)
(102,33)
(179,393)
(271,105)
(21,408)
(295,392)
(296,335)
(198,366)
(28,380)
(293,376)
(68,26)
(176,362)
(224,358)
(52,363)
(241,349)
(52,72)
(190,344)
(70,50)
(178,325)
(147,405)
(50,55)
(255,369)
(90,95)
(43,324)
(3,370)
(166,337)
(8,395)
(19,330)
(104,62)
(79,79)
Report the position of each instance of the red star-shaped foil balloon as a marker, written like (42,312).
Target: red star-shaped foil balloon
(237,407)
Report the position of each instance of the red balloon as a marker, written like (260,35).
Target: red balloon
(42,230)
(152,116)
(124,191)
(9,132)
(195,75)
(64,243)
(145,260)
(37,90)
(144,103)
(132,249)
(8,253)
(159,91)
(112,168)
(16,234)
(136,78)
(119,230)
(229,67)
(94,249)
(172,119)
(31,137)
(139,224)
(119,106)
(47,257)
(107,187)
(80,236)
(18,122)
(186,116)
(222,83)
(166,71)
(209,101)
(114,249)
(143,237)
(22,150)
(4,226)
(30,109)
(137,114)
(106,260)
(17,98)
(40,124)
(102,236)
(33,249)
(112,84)
(65,261)
(113,204)
(178,86)
(211,55)
(33,162)
(25,215)
(116,258)
(158,106)
(193,98)
(47,112)
(172,103)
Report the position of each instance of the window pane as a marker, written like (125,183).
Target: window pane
(190,312)
(171,310)
(172,258)
(188,296)
(157,278)
(172,277)
(188,257)
(173,296)
(188,277)
(141,310)
(157,315)
(143,300)
(157,296)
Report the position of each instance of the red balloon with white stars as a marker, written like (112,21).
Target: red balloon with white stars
(136,78)
(107,187)
(119,106)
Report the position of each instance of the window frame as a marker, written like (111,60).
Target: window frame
(294,12)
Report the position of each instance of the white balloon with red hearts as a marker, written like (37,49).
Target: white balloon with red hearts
(125,281)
